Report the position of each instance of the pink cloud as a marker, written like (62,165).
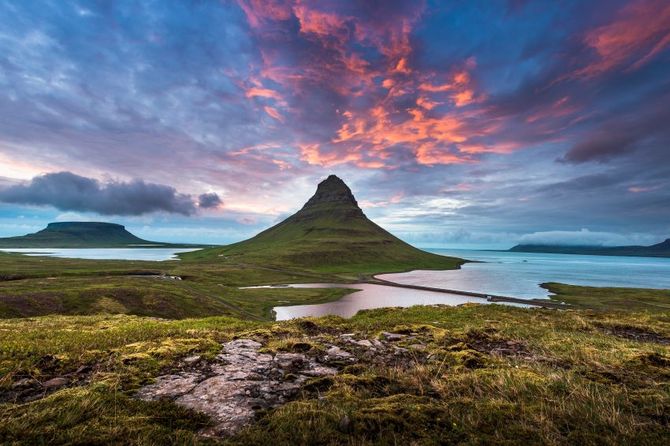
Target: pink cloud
(640,32)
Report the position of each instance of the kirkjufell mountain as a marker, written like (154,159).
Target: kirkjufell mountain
(332,233)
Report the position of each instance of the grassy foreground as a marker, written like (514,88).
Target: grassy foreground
(476,374)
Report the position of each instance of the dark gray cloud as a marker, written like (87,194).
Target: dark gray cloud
(209,200)
(69,192)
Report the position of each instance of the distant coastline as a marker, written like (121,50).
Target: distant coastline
(658,250)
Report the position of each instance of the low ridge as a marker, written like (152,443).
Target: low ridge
(658,250)
(331,233)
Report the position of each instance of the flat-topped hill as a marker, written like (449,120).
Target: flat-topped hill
(78,235)
(331,233)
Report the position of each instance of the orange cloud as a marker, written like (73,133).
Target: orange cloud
(322,23)
(431,154)
(371,130)
(462,98)
(259,11)
(263,93)
(273,113)
(426,103)
(641,31)
(499,148)
(312,154)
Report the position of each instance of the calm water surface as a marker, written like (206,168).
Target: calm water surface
(368,296)
(155,254)
(503,273)
(519,274)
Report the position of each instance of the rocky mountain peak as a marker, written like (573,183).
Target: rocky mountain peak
(332,190)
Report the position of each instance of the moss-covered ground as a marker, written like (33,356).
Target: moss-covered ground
(477,374)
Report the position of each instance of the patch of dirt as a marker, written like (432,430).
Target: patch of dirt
(27,387)
(33,304)
(633,333)
(488,342)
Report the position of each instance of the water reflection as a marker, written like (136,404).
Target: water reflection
(154,254)
(369,296)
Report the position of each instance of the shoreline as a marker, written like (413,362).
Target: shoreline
(488,297)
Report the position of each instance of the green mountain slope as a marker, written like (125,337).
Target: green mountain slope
(77,235)
(331,233)
(658,250)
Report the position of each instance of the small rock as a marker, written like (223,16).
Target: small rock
(319,370)
(392,337)
(419,347)
(192,359)
(335,352)
(365,343)
(55,383)
(290,361)
(347,335)
(377,343)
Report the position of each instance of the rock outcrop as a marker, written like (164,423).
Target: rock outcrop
(241,381)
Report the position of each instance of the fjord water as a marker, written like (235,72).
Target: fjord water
(153,254)
(519,274)
(503,273)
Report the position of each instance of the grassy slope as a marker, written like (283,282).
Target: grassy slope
(329,238)
(576,380)
(627,299)
(34,286)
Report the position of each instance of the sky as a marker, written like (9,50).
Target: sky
(462,124)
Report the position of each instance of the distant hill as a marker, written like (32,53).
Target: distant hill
(659,250)
(331,233)
(80,235)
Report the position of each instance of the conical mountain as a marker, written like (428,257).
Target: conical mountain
(331,233)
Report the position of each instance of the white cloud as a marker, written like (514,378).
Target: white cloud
(584,237)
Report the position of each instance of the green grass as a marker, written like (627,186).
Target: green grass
(576,381)
(611,298)
(65,286)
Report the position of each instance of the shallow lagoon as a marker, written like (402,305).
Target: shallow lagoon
(153,254)
(369,296)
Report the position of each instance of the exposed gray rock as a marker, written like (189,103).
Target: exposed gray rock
(336,353)
(240,382)
(191,359)
(392,337)
(169,386)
